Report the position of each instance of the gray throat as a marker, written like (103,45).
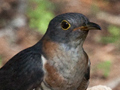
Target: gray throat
(70,62)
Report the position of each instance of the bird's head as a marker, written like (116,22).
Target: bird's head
(70,27)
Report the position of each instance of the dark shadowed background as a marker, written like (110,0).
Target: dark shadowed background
(23,23)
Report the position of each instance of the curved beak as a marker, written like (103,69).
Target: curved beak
(89,26)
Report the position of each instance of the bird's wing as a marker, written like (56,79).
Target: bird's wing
(22,72)
(87,73)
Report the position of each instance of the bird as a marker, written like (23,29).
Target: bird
(57,61)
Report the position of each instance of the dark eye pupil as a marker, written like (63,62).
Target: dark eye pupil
(65,25)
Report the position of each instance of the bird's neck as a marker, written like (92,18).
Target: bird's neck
(51,47)
(74,44)
(65,59)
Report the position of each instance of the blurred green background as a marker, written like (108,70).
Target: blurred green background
(23,23)
(40,14)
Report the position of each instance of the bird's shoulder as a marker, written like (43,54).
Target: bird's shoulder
(29,55)
(25,68)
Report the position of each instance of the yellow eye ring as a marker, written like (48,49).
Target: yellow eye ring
(65,25)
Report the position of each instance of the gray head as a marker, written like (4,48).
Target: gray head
(70,27)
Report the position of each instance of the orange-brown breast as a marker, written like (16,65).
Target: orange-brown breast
(49,47)
(53,78)
(64,69)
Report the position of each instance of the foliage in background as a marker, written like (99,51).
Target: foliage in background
(114,35)
(105,67)
(94,9)
(40,12)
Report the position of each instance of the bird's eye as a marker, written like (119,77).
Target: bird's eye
(65,25)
